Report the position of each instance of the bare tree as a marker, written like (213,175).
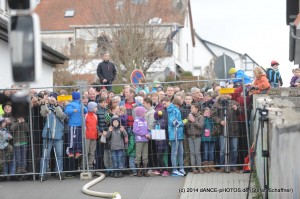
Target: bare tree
(131,30)
(209,71)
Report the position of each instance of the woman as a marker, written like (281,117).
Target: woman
(261,83)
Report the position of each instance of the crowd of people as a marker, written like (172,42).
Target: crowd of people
(148,131)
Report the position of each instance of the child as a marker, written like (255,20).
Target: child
(103,148)
(295,81)
(175,133)
(185,110)
(20,131)
(6,149)
(73,110)
(117,133)
(140,130)
(193,132)
(161,145)
(91,122)
(208,141)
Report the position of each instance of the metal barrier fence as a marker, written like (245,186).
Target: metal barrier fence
(42,143)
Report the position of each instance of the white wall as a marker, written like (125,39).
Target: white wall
(186,59)
(46,79)
(202,58)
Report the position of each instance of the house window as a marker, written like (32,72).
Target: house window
(187,52)
(70,13)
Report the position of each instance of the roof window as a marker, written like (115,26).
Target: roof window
(70,13)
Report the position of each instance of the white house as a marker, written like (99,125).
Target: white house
(205,51)
(65,24)
(50,57)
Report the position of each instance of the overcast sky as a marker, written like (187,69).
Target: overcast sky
(255,27)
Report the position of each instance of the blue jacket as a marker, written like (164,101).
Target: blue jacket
(75,119)
(174,115)
(54,126)
(240,74)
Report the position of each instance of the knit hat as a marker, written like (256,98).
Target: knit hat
(139,111)
(115,118)
(53,94)
(92,106)
(6,104)
(75,95)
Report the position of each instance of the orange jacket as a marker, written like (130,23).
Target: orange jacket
(91,122)
(262,83)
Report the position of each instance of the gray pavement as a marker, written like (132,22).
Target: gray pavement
(193,186)
(128,187)
(215,186)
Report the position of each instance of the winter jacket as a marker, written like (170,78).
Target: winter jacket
(131,145)
(241,74)
(116,139)
(274,76)
(129,111)
(239,98)
(158,107)
(102,125)
(218,111)
(149,116)
(208,124)
(20,133)
(262,83)
(194,129)
(106,70)
(4,137)
(91,122)
(140,129)
(175,131)
(75,119)
(54,123)
(294,80)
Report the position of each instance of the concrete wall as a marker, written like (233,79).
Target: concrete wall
(284,138)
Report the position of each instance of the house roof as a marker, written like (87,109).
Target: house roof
(95,12)
(205,42)
(48,54)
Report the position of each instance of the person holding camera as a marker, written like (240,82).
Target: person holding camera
(224,113)
(261,83)
(52,133)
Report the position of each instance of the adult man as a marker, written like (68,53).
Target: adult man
(52,134)
(170,92)
(273,75)
(232,128)
(197,95)
(106,72)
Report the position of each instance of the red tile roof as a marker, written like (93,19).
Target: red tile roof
(97,12)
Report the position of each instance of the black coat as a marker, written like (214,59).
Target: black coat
(106,70)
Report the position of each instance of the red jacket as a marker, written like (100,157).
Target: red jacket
(91,122)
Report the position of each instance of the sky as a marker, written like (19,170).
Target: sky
(255,27)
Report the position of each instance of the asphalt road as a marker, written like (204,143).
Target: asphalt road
(128,187)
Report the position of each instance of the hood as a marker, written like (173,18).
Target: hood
(171,107)
(75,95)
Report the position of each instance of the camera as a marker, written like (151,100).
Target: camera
(253,88)
(224,102)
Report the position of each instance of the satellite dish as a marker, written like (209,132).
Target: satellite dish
(167,71)
(222,65)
